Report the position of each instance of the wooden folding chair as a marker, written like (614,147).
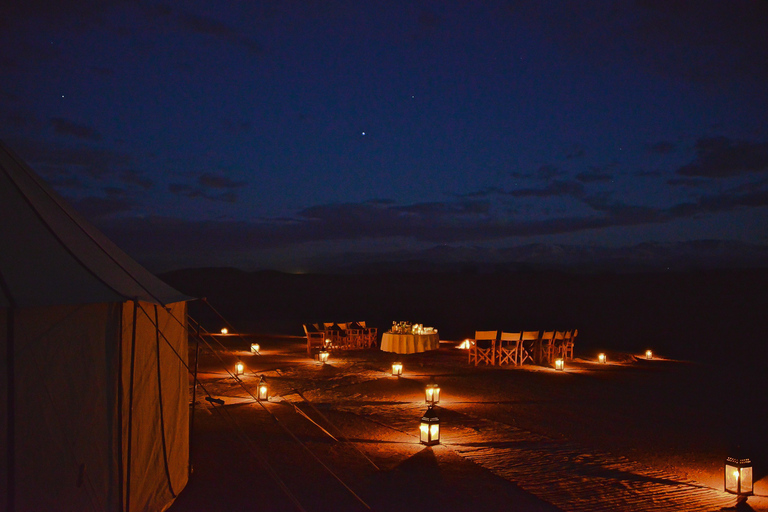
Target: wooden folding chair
(570,338)
(315,338)
(509,348)
(483,349)
(547,347)
(355,337)
(371,335)
(559,344)
(528,345)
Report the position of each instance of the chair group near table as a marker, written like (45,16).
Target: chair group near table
(517,348)
(340,336)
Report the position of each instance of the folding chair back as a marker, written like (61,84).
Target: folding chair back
(528,346)
(509,348)
(483,349)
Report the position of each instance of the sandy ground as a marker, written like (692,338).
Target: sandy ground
(629,435)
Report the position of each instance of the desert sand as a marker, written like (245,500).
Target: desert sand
(632,434)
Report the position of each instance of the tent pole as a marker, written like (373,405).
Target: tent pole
(194,395)
(11,413)
(130,409)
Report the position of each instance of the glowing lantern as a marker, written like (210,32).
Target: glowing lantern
(649,354)
(429,430)
(239,368)
(263,390)
(464,345)
(559,364)
(321,356)
(255,348)
(738,475)
(397,369)
(224,330)
(601,358)
(432,393)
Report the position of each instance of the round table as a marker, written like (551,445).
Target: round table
(409,343)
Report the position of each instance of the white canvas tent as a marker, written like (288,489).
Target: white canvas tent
(93,387)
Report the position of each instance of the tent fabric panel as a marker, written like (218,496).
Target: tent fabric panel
(66,260)
(154,475)
(65,415)
(38,270)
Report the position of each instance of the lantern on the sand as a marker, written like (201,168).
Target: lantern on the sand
(601,358)
(397,369)
(649,354)
(263,390)
(738,474)
(224,330)
(255,348)
(432,393)
(239,368)
(429,430)
(559,364)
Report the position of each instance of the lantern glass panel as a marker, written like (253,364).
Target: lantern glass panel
(649,354)
(424,432)
(239,368)
(746,479)
(255,348)
(263,392)
(559,365)
(601,358)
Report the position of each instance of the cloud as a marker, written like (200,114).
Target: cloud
(72,160)
(594,175)
(720,157)
(663,147)
(96,208)
(209,186)
(214,181)
(136,178)
(555,188)
(64,127)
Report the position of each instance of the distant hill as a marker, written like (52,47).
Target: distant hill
(649,256)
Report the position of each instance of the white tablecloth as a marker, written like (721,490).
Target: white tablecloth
(409,343)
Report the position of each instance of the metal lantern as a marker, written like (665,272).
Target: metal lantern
(321,356)
(429,430)
(239,368)
(559,364)
(738,475)
(601,358)
(255,348)
(432,393)
(224,330)
(397,369)
(649,354)
(262,392)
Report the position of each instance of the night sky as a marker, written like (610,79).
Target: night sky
(279,134)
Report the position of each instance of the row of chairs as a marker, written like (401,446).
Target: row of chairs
(340,336)
(517,348)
